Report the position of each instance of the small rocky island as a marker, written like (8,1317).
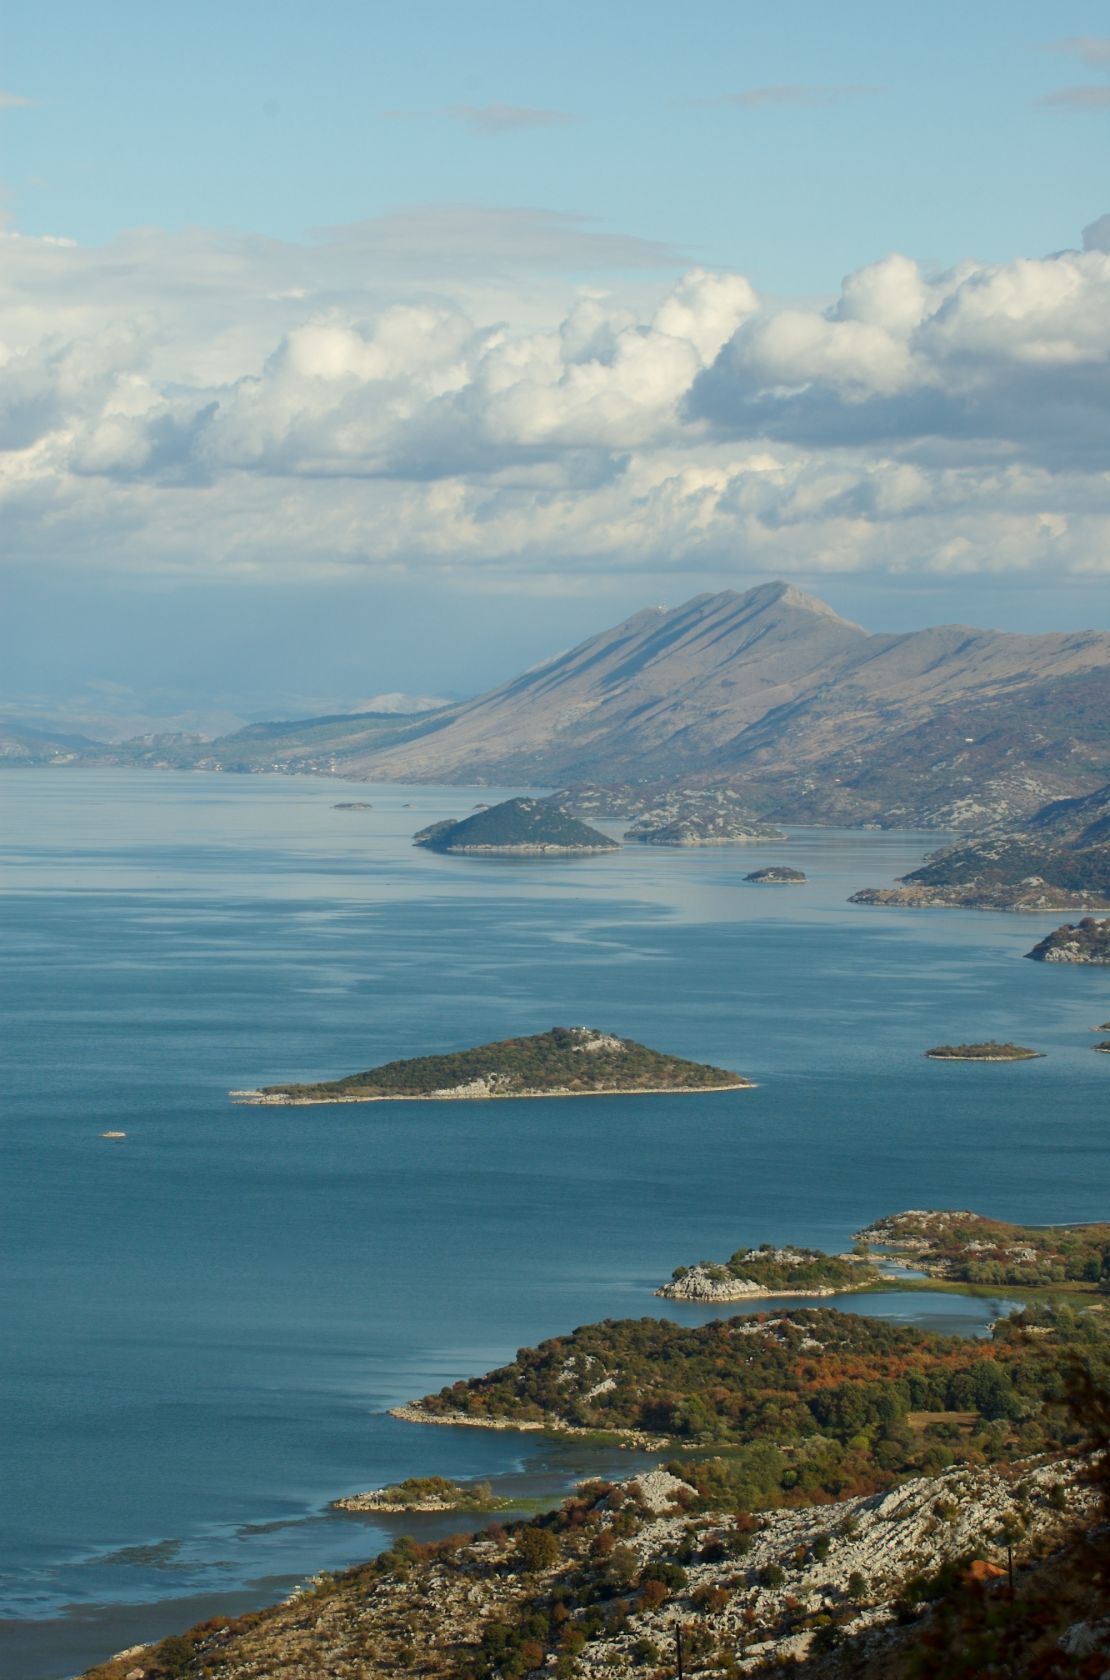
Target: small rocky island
(1087,941)
(777,875)
(989,1051)
(565,1062)
(769,1271)
(352,805)
(516,828)
(423,1494)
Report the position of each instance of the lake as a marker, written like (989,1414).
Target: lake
(204,1323)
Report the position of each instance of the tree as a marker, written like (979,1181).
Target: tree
(536,1549)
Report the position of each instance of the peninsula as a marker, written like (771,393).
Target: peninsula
(769,1271)
(565,1062)
(989,1051)
(1087,941)
(1058,859)
(424,1494)
(965,1247)
(516,828)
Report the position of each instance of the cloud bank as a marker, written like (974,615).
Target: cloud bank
(445,390)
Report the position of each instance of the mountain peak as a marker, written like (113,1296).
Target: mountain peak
(781,593)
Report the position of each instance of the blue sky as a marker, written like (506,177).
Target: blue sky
(516,317)
(280,118)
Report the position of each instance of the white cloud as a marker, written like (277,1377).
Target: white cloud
(196,404)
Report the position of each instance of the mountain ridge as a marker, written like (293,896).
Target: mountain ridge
(811,717)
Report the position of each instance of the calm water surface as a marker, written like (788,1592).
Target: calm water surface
(202,1325)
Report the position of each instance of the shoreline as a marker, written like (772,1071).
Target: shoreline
(413,1412)
(261,1099)
(760,1294)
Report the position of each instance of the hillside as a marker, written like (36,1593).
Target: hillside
(524,826)
(814,717)
(810,717)
(897,1502)
(565,1062)
(1057,859)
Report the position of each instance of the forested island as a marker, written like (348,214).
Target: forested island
(768,1270)
(564,1062)
(516,827)
(777,875)
(988,1051)
(1087,941)
(965,1247)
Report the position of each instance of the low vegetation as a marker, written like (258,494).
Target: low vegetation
(566,1060)
(424,1493)
(773,1271)
(965,1247)
(989,1051)
(1086,941)
(816,1401)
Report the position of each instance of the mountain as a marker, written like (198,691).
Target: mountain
(772,692)
(808,716)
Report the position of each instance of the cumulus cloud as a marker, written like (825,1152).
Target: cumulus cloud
(411,393)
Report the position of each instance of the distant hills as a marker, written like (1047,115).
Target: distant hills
(1057,859)
(811,717)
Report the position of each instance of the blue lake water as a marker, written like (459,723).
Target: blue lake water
(203,1324)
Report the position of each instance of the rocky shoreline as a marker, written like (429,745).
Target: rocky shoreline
(413,1412)
(273,1099)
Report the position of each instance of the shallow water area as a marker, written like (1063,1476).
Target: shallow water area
(205,1321)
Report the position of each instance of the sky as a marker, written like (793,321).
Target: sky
(371,347)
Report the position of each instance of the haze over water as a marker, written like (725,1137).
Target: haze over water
(204,1323)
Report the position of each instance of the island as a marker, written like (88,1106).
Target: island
(352,805)
(989,1051)
(777,875)
(516,828)
(768,1270)
(564,1062)
(965,1247)
(1104,1048)
(423,1494)
(1087,941)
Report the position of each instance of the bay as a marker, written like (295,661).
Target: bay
(204,1323)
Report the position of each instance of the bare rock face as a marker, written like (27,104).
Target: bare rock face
(1087,941)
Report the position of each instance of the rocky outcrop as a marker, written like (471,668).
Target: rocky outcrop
(777,875)
(1087,941)
(706,1283)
